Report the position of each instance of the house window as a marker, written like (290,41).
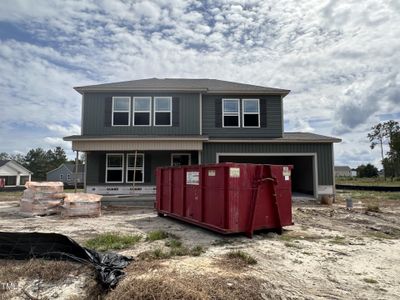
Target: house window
(61,177)
(251,113)
(180,159)
(137,170)
(114,168)
(141,111)
(121,111)
(68,176)
(230,113)
(162,111)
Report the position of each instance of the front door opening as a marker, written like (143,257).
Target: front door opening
(180,159)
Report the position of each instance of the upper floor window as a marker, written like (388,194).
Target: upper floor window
(121,110)
(68,176)
(142,111)
(251,113)
(114,168)
(162,111)
(135,168)
(230,113)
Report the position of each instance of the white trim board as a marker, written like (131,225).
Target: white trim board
(313,155)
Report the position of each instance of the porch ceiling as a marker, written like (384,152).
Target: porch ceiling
(140,145)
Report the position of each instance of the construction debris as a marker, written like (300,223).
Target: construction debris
(41,198)
(81,204)
(48,198)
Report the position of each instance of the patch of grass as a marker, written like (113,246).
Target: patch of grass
(373,208)
(241,256)
(110,240)
(47,270)
(370,280)
(173,243)
(338,240)
(157,235)
(197,251)
(175,248)
(164,285)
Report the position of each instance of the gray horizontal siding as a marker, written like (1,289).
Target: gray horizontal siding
(273,117)
(323,151)
(94,107)
(54,175)
(96,167)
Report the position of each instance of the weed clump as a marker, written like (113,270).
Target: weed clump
(156,235)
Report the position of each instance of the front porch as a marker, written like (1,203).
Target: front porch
(116,173)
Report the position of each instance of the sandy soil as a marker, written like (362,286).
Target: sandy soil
(330,253)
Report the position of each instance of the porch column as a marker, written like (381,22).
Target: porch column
(76,170)
(18,181)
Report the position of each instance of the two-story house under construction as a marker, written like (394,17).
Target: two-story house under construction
(131,128)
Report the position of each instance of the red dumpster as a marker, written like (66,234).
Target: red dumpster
(227,197)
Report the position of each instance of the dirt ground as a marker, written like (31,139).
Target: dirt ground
(330,253)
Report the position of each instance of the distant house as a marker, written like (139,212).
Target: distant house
(13,174)
(66,174)
(343,171)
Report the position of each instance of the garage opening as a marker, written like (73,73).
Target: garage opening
(303,174)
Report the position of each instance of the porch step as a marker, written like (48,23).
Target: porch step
(143,201)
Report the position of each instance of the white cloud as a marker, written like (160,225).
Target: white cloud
(340,59)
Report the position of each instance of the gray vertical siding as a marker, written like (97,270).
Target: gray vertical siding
(94,123)
(96,165)
(272,118)
(323,151)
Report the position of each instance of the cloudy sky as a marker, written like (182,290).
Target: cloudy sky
(340,59)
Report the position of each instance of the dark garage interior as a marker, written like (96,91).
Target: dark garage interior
(302,173)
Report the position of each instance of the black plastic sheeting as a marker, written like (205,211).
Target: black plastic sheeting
(26,245)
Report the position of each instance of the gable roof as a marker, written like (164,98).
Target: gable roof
(211,86)
(70,167)
(14,165)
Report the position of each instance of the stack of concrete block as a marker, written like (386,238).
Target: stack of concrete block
(41,198)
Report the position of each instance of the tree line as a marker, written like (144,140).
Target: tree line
(39,161)
(387,133)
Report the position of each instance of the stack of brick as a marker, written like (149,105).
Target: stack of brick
(41,198)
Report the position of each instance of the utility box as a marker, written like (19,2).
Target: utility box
(227,197)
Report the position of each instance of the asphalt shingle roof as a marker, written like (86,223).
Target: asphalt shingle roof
(183,84)
(3,162)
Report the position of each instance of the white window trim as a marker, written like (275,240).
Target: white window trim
(251,113)
(230,114)
(141,111)
(115,168)
(155,111)
(113,111)
(176,154)
(132,168)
